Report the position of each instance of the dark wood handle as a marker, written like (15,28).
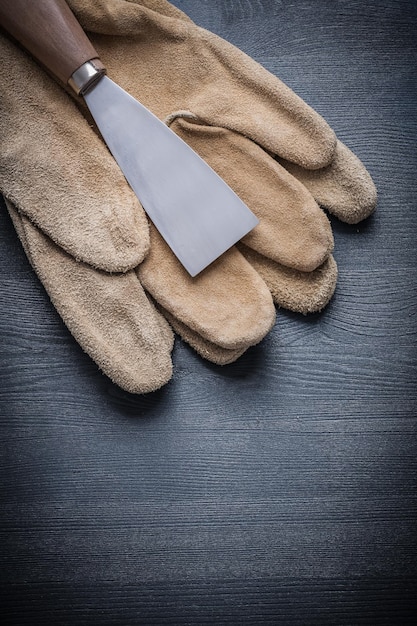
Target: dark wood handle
(50,32)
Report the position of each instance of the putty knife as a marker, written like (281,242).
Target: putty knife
(197,214)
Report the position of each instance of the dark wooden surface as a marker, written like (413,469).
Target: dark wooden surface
(280,489)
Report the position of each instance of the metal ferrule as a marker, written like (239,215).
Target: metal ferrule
(86,76)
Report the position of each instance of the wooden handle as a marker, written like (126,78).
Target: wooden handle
(50,32)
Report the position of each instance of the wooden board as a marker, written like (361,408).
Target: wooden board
(280,489)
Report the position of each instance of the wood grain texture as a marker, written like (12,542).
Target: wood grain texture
(277,490)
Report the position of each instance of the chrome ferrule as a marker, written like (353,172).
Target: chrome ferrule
(86,76)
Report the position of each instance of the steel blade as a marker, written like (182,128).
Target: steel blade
(197,214)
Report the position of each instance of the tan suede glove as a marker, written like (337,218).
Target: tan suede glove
(268,145)
(226,106)
(67,182)
(81,226)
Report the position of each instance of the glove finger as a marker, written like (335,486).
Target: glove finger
(293,230)
(109,315)
(257,104)
(227,304)
(290,248)
(206,349)
(301,292)
(344,187)
(176,65)
(58,172)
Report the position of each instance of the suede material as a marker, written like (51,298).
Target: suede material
(227,304)
(55,170)
(175,65)
(301,292)
(206,349)
(245,122)
(109,315)
(235,320)
(236,115)
(344,187)
(293,230)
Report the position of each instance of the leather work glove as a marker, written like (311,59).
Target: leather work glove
(226,106)
(84,232)
(96,234)
(277,154)
(108,314)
